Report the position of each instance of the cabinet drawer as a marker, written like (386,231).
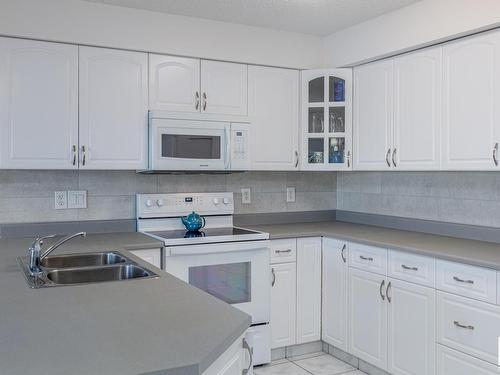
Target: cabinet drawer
(369,258)
(470,326)
(469,281)
(415,268)
(451,362)
(283,251)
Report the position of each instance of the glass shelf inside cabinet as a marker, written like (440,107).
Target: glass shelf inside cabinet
(336,150)
(316,120)
(336,120)
(317,90)
(336,89)
(316,151)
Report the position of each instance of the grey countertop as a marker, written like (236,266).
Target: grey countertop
(154,326)
(480,253)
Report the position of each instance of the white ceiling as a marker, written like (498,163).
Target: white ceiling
(319,17)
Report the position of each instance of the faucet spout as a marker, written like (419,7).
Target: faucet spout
(60,242)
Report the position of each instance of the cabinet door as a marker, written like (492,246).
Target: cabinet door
(113,109)
(417,110)
(471,91)
(308,289)
(152,256)
(231,362)
(174,83)
(273,105)
(224,88)
(367,317)
(283,304)
(38,105)
(411,329)
(373,116)
(334,317)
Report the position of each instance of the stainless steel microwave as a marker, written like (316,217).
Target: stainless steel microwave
(197,145)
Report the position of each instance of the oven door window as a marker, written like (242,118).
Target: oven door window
(186,146)
(228,282)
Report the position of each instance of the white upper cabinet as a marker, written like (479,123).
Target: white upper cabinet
(273,107)
(174,83)
(471,92)
(113,109)
(38,105)
(326,119)
(373,116)
(224,88)
(417,110)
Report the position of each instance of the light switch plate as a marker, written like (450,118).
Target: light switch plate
(290,194)
(246,196)
(77,199)
(60,200)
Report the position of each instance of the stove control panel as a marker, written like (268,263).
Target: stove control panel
(176,204)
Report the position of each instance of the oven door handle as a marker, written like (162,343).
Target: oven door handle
(217,248)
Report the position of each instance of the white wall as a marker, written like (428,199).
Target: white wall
(82,22)
(423,23)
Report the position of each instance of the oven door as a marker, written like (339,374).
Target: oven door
(234,272)
(188,145)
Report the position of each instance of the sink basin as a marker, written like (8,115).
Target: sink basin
(82,260)
(98,274)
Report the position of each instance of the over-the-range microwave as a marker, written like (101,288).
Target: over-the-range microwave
(182,144)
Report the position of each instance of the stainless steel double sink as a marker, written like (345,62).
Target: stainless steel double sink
(85,268)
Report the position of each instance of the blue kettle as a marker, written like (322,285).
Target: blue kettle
(193,222)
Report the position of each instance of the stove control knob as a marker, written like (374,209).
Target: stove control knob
(216,201)
(149,203)
(226,200)
(159,202)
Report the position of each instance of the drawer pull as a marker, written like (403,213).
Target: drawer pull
(460,325)
(283,251)
(405,267)
(462,280)
(366,258)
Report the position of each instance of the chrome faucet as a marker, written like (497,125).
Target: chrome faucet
(35,254)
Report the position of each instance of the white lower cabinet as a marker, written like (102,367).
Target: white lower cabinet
(308,289)
(334,293)
(368,317)
(152,256)
(232,362)
(411,328)
(451,362)
(283,304)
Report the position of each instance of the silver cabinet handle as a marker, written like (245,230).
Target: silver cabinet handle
(204,101)
(274,277)
(380,290)
(495,154)
(389,298)
(296,158)
(366,258)
(405,267)
(462,280)
(465,326)
(73,150)
(342,253)
(197,100)
(387,157)
(250,353)
(348,159)
(283,251)
(393,158)
(84,155)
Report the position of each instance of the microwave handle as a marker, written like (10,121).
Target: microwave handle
(228,147)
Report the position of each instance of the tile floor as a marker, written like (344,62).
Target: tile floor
(315,363)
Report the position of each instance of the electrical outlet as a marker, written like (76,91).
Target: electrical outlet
(77,199)
(60,200)
(290,194)
(246,196)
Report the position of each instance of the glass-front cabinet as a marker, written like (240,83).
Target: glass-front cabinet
(327,119)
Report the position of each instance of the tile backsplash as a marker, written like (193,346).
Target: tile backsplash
(457,197)
(28,196)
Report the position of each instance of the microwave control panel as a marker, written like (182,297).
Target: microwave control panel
(240,154)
